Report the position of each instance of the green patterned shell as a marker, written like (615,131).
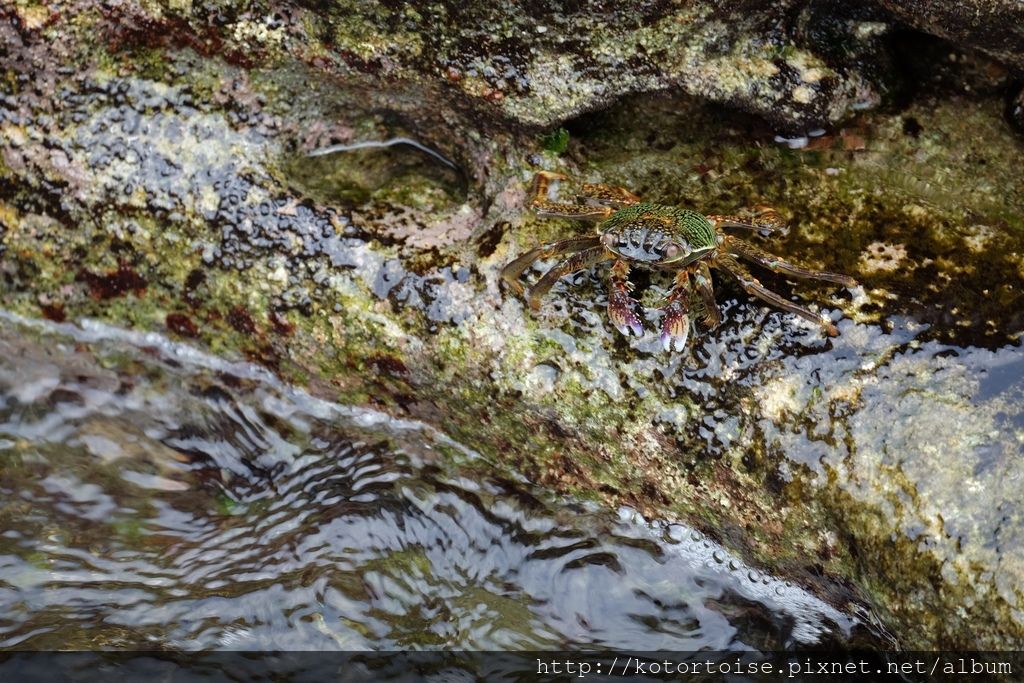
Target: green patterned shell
(657,234)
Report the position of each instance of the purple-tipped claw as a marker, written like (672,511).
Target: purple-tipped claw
(632,326)
(672,342)
(675,328)
(620,311)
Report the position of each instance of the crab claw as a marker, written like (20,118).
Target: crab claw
(633,327)
(621,313)
(675,328)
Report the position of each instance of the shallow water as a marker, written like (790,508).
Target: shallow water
(153,497)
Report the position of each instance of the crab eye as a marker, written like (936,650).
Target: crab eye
(672,251)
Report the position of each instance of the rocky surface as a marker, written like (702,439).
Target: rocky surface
(153,175)
(995,28)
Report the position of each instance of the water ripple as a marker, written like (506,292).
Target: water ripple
(152,500)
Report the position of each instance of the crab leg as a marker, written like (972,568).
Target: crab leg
(751,285)
(752,253)
(766,220)
(545,207)
(597,194)
(621,306)
(582,212)
(578,261)
(675,326)
(513,270)
(704,283)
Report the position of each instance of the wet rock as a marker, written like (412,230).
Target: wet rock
(143,156)
(533,65)
(995,28)
(539,63)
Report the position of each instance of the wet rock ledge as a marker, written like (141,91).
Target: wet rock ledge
(153,174)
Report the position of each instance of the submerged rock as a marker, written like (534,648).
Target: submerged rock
(153,175)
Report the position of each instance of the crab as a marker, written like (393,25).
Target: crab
(631,232)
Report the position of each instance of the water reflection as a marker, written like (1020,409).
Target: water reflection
(154,497)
